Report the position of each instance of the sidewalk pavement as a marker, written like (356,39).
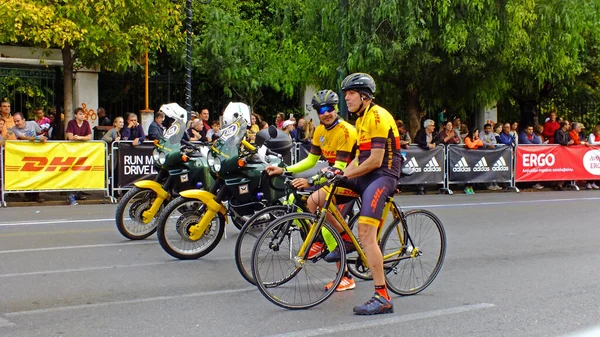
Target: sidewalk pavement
(55,199)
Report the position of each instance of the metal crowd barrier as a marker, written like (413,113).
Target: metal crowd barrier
(466,166)
(427,166)
(444,165)
(553,162)
(46,166)
(147,146)
(2,202)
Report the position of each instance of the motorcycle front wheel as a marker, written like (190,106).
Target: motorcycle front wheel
(173,229)
(128,215)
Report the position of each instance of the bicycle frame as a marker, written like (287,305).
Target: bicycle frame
(330,207)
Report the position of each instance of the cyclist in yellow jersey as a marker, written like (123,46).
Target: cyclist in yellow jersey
(373,175)
(334,139)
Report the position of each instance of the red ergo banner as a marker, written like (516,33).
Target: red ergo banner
(555,162)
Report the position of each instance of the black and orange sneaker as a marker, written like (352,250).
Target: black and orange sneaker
(315,250)
(347,283)
(375,306)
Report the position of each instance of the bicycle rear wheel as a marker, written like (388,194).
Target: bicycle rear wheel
(280,277)
(250,233)
(412,266)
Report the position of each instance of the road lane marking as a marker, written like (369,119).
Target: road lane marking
(71,231)
(369,322)
(491,203)
(76,247)
(50,222)
(5,323)
(136,301)
(74,270)
(592,332)
(496,203)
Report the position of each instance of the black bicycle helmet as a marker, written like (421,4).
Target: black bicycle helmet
(361,82)
(323,98)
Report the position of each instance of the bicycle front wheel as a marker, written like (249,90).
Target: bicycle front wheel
(250,233)
(413,252)
(280,275)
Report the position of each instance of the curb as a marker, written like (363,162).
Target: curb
(55,203)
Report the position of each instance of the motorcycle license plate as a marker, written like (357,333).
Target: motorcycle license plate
(184,178)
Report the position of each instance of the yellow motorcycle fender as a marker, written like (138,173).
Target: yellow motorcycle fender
(207,198)
(154,186)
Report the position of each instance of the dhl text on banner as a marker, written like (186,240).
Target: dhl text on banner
(54,165)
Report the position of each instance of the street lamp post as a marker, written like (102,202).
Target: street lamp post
(188,54)
(188,57)
(341,73)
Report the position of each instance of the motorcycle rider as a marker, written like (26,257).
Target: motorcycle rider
(334,139)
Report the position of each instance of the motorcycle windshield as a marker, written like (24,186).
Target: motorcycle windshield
(172,136)
(229,143)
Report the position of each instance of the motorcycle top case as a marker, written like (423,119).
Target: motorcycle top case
(282,144)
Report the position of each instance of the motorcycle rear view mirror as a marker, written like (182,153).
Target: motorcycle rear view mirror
(272,131)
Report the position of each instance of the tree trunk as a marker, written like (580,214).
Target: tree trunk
(527,109)
(68,84)
(414,112)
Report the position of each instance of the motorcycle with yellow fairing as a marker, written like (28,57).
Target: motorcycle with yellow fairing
(192,225)
(180,165)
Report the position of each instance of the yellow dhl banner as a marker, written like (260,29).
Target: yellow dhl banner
(54,165)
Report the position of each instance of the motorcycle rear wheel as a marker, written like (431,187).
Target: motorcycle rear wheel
(128,215)
(173,229)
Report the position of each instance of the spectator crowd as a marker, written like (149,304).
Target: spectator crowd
(199,128)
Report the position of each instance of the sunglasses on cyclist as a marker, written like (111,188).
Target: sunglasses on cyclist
(326,108)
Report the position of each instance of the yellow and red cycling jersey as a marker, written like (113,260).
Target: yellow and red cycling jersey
(336,144)
(377,130)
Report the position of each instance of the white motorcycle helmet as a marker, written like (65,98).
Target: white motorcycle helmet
(173,110)
(235,110)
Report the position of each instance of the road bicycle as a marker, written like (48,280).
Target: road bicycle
(413,247)
(253,228)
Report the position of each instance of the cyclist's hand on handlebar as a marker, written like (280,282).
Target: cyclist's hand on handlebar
(274,170)
(332,172)
(299,183)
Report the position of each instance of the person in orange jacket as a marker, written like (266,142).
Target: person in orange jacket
(472,141)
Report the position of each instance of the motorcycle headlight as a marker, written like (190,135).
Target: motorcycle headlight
(217,165)
(211,160)
(161,158)
(155,155)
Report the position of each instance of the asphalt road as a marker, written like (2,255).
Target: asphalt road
(517,265)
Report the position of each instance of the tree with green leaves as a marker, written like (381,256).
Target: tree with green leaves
(460,54)
(112,34)
(249,47)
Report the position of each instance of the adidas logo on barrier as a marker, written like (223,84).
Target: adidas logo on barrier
(461,166)
(412,163)
(500,165)
(481,166)
(432,166)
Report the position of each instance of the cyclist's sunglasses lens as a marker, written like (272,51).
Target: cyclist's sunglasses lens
(326,108)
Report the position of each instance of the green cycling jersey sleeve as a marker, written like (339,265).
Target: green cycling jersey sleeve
(340,164)
(310,162)
(304,164)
